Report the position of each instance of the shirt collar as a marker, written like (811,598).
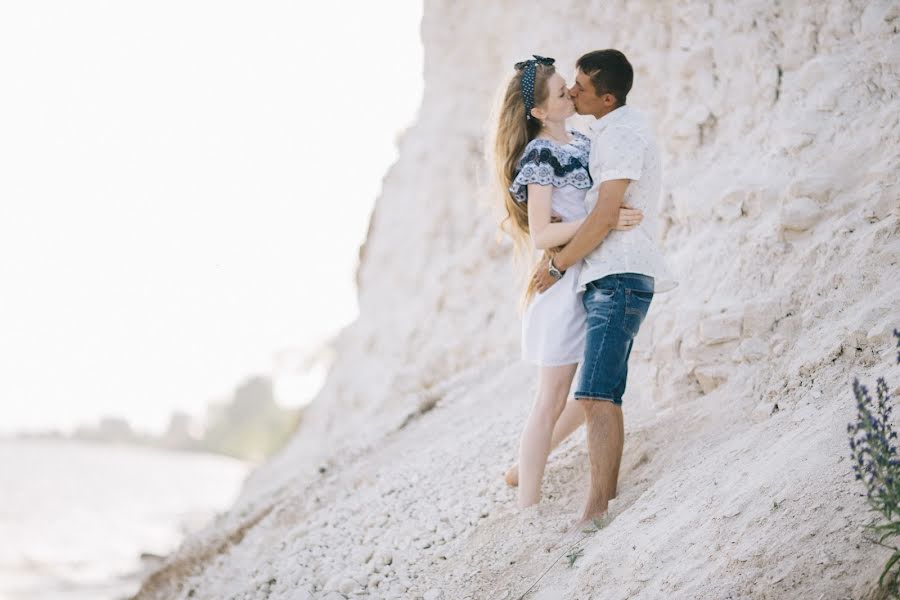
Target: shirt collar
(615,116)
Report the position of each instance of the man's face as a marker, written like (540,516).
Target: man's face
(587,102)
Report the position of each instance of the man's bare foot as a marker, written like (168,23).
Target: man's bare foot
(586,526)
(512,476)
(590,525)
(577,532)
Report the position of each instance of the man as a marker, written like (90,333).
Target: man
(622,270)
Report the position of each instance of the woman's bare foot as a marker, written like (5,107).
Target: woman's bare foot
(512,476)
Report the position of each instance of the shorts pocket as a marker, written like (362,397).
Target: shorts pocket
(595,295)
(637,303)
(603,288)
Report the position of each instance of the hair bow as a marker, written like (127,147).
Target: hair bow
(541,60)
(527,83)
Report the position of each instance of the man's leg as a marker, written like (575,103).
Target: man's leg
(616,306)
(620,421)
(605,438)
(620,418)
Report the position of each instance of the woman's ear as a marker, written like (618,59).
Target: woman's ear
(538,113)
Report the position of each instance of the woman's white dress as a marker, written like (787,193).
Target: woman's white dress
(554,323)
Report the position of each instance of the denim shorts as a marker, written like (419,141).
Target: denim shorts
(616,306)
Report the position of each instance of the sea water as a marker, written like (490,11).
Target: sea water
(76,517)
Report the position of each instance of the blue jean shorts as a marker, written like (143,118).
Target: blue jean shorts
(616,306)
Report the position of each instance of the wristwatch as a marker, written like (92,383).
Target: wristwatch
(554,272)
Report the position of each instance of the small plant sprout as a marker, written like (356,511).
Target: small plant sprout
(574,555)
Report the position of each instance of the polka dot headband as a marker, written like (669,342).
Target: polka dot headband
(530,67)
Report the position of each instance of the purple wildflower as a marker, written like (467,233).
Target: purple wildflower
(875,462)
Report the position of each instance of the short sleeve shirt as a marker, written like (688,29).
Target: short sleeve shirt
(623,147)
(621,156)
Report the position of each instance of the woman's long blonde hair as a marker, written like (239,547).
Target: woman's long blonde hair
(511,133)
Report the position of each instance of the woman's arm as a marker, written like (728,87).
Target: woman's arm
(544,233)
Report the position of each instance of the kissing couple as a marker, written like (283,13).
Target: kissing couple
(590,203)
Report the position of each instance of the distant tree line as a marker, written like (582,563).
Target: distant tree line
(248,425)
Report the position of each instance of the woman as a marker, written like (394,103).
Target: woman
(543,168)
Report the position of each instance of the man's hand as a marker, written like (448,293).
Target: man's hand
(629,218)
(542,279)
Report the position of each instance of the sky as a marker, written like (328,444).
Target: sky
(184,187)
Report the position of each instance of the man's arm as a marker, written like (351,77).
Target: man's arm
(597,225)
(592,232)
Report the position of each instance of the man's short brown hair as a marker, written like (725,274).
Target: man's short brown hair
(610,73)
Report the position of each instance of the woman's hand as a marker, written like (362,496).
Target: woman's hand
(629,218)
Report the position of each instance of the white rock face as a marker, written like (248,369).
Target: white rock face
(779,124)
(721,328)
(800,214)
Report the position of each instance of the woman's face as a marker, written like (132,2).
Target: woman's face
(559,105)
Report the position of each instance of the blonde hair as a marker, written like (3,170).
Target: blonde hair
(511,133)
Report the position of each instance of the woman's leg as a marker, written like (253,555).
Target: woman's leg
(569,421)
(534,447)
(572,418)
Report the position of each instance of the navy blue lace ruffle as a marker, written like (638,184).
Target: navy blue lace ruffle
(546,163)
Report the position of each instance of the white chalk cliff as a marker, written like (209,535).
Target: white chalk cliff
(780,126)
